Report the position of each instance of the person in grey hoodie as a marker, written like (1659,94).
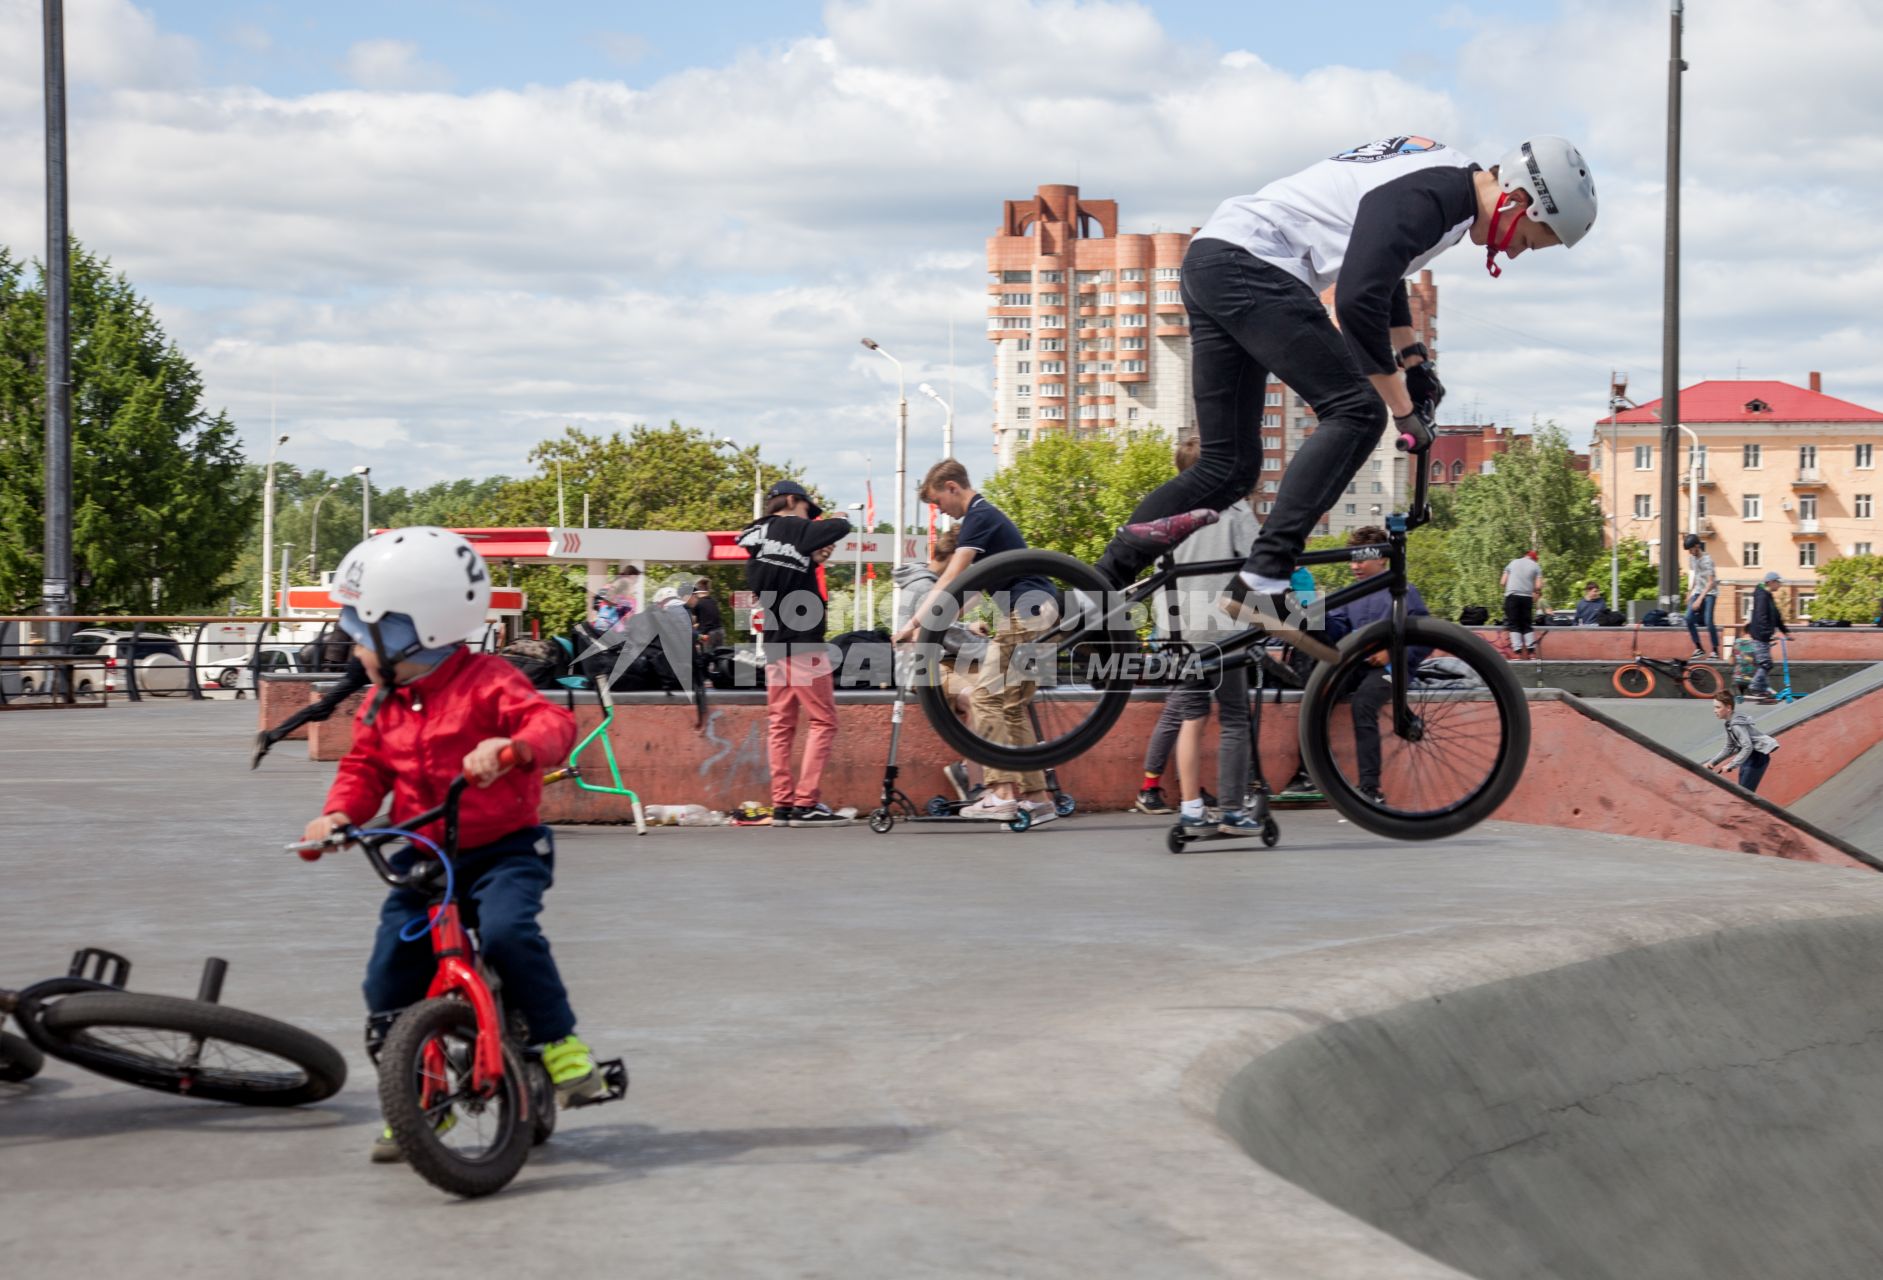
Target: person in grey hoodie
(1192,603)
(1746,749)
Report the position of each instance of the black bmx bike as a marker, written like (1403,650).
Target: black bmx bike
(196,1048)
(1412,727)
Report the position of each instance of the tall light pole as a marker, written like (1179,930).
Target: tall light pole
(286,549)
(366,501)
(268,521)
(1670,326)
(758,474)
(948,435)
(902,453)
(856,586)
(56,575)
(313,553)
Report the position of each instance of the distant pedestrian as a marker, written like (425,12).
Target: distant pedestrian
(1746,749)
(1703,594)
(1591,607)
(1523,587)
(708,622)
(1765,622)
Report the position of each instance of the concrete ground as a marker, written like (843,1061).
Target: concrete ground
(941,1052)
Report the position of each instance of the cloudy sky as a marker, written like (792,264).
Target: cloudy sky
(435,231)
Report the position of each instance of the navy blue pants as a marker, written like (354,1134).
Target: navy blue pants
(1752,770)
(500,891)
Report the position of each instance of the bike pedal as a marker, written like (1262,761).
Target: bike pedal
(615,1073)
(95,964)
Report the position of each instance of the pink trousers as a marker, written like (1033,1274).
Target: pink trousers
(799,683)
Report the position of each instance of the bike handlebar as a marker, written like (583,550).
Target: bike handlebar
(370,844)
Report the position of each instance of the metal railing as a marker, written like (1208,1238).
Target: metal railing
(52,661)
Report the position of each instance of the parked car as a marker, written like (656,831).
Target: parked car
(162,666)
(274,657)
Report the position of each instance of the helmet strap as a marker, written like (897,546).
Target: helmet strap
(388,661)
(1492,245)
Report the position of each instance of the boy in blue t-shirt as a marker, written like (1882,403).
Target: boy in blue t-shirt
(997,707)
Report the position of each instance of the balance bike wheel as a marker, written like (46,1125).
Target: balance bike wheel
(458,1142)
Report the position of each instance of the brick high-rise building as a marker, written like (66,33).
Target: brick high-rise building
(1091,333)
(1092,337)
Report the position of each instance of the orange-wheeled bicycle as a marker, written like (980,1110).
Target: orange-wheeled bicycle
(1636,678)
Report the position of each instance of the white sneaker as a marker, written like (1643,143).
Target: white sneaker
(1039,811)
(991,807)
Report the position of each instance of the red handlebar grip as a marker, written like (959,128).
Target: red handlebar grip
(310,855)
(507,757)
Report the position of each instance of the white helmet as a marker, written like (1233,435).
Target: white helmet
(432,576)
(1556,178)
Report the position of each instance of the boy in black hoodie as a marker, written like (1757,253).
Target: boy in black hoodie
(785,548)
(1765,623)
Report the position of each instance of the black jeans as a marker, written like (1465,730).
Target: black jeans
(1372,694)
(1249,319)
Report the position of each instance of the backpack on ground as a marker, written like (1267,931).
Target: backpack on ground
(1474,615)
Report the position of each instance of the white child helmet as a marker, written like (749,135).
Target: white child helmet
(1556,178)
(432,576)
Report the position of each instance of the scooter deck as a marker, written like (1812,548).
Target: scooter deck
(1179,836)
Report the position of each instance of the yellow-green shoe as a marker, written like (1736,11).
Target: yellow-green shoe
(386,1147)
(572,1070)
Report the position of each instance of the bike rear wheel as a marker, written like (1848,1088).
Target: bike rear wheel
(455,1140)
(191,1047)
(1455,762)
(1701,680)
(1633,680)
(1059,628)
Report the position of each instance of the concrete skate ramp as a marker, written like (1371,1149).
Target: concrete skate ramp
(1850,803)
(1708,1108)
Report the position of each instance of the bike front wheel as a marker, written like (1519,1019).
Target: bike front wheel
(1455,759)
(191,1047)
(454,1139)
(1060,639)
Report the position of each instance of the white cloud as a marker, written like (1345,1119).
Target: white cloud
(437,280)
(392,65)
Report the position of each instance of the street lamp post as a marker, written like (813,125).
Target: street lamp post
(856,585)
(758,473)
(268,522)
(902,453)
(282,609)
(366,501)
(313,552)
(948,435)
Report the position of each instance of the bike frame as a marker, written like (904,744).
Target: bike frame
(1398,527)
(457,975)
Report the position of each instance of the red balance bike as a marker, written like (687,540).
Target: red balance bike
(463,1095)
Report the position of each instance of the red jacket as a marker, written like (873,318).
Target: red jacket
(418,742)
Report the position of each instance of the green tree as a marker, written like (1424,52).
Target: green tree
(160,496)
(1850,589)
(1534,499)
(1639,578)
(1070,495)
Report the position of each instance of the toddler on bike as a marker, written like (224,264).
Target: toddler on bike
(409,597)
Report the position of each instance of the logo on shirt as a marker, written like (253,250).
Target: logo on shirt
(1386,148)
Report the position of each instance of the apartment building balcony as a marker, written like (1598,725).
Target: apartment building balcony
(1807,478)
(1808,527)
(1165,329)
(1131,377)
